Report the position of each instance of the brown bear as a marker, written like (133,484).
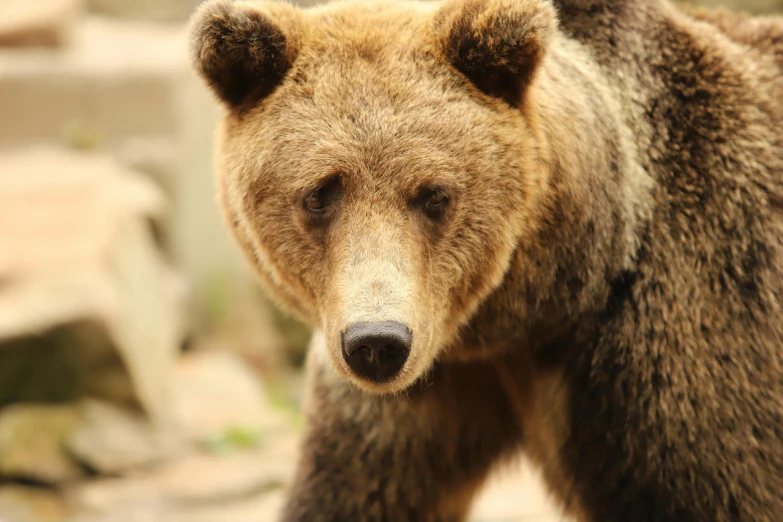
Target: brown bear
(522,226)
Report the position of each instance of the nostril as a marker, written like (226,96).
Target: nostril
(374,336)
(376,350)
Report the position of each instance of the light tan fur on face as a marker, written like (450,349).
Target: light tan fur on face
(368,99)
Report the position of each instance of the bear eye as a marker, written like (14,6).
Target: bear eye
(318,202)
(434,202)
(315,202)
(435,199)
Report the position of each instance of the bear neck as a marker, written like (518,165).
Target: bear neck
(592,214)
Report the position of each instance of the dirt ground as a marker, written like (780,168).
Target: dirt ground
(515,495)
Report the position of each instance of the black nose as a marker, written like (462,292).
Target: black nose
(376,351)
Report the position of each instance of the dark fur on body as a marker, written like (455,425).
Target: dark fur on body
(636,334)
(421,456)
(677,390)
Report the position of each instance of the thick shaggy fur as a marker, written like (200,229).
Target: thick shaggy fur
(603,289)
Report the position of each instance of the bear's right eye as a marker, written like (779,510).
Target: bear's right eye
(318,202)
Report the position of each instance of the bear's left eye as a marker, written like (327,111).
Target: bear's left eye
(435,199)
(315,202)
(434,202)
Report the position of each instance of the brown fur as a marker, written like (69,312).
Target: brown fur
(603,288)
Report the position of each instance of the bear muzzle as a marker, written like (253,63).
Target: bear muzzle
(376,351)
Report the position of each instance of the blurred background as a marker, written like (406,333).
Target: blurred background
(144,377)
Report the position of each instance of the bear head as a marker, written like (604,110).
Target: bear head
(378,162)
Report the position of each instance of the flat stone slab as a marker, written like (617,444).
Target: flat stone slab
(114,80)
(32,442)
(78,247)
(215,392)
(114,441)
(39,23)
(31,504)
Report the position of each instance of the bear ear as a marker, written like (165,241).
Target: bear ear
(244,50)
(497,44)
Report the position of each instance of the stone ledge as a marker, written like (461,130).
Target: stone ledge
(78,248)
(42,23)
(117,79)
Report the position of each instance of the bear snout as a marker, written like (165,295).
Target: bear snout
(376,351)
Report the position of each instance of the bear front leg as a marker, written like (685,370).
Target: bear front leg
(420,456)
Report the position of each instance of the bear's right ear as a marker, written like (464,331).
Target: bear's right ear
(243,50)
(497,44)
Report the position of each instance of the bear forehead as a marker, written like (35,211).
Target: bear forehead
(419,134)
(365,90)
(376,16)
(367,115)
(365,29)
(315,138)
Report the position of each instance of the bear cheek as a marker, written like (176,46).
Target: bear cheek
(283,253)
(476,268)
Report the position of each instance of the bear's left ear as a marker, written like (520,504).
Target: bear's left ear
(243,50)
(497,44)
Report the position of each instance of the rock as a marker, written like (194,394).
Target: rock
(112,440)
(266,507)
(116,499)
(215,394)
(155,156)
(117,80)
(46,368)
(750,6)
(202,486)
(215,391)
(168,10)
(27,504)
(47,23)
(32,443)
(208,479)
(79,254)
(201,242)
(145,9)
(244,323)
(128,87)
